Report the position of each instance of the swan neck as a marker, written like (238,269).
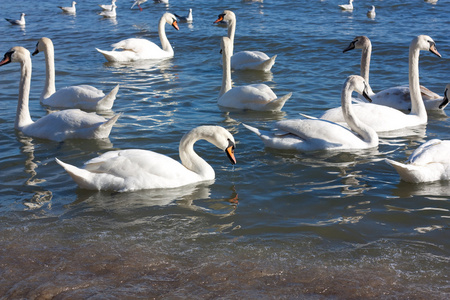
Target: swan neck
(191,160)
(165,44)
(23,117)
(365,62)
(226,71)
(49,87)
(417,105)
(231,32)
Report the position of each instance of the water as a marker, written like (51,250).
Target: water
(278,224)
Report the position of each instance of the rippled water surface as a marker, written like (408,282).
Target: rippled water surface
(278,224)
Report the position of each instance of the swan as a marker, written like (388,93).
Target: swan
(429,162)
(397,97)
(186,19)
(107,6)
(244,60)
(317,134)
(383,118)
(371,13)
(138,3)
(109,13)
(20,22)
(348,6)
(138,49)
(70,9)
(80,96)
(57,126)
(253,96)
(137,169)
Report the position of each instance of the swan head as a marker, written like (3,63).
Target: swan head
(359,42)
(15,54)
(42,45)
(424,42)
(171,20)
(226,16)
(359,85)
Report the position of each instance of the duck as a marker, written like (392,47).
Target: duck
(427,163)
(313,134)
(109,13)
(20,22)
(107,6)
(138,3)
(397,97)
(252,97)
(186,19)
(69,9)
(56,126)
(84,97)
(383,118)
(244,60)
(138,169)
(371,13)
(348,6)
(139,49)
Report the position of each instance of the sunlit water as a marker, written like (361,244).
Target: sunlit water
(278,224)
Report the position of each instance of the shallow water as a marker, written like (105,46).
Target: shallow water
(279,224)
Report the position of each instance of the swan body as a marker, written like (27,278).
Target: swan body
(348,6)
(254,96)
(81,96)
(427,163)
(383,118)
(136,169)
(57,126)
(317,134)
(109,13)
(186,19)
(397,97)
(138,3)
(107,6)
(371,13)
(134,49)
(20,22)
(69,9)
(245,60)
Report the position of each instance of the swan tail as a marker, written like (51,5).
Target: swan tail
(267,65)
(277,104)
(103,131)
(253,129)
(411,173)
(107,102)
(83,178)
(109,55)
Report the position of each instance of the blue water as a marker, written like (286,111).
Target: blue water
(279,224)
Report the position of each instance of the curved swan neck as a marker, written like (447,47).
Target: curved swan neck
(417,105)
(49,52)
(226,68)
(23,117)
(165,44)
(192,160)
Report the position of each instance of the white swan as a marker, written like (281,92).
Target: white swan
(138,3)
(383,118)
(138,49)
(371,13)
(253,96)
(429,162)
(348,6)
(107,6)
(20,22)
(57,126)
(136,169)
(397,97)
(244,60)
(80,96)
(111,13)
(187,19)
(317,134)
(69,9)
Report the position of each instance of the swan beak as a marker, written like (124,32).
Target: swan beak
(434,50)
(367,97)
(230,152)
(6,59)
(219,19)
(175,25)
(35,52)
(445,100)
(350,47)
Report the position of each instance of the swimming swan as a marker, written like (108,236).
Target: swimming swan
(254,96)
(318,134)
(80,96)
(245,60)
(397,97)
(20,22)
(136,169)
(383,118)
(57,126)
(429,162)
(138,49)
(69,9)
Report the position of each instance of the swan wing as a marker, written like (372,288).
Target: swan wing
(433,151)
(136,45)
